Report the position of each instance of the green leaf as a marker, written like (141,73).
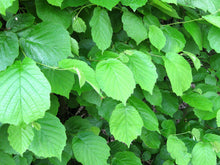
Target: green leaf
(203,154)
(168,128)
(215,20)
(134,4)
(150,138)
(157,37)
(92,97)
(5,4)
(74,47)
(115,79)
(137,32)
(194,30)
(125,123)
(198,101)
(20,137)
(178,150)
(179,72)
(78,25)
(20,22)
(175,41)
(106,108)
(6,159)
(105,3)
(194,59)
(169,104)
(46,43)
(71,3)
(150,19)
(85,72)
(214,140)
(165,8)
(101,28)
(148,116)
(55,2)
(155,98)
(126,157)
(54,105)
(214,39)
(50,140)
(143,69)
(9,49)
(25,93)
(218,118)
(90,149)
(170,1)
(20,160)
(61,81)
(52,14)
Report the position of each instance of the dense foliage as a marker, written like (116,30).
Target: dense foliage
(117,82)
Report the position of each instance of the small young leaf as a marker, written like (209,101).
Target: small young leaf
(157,37)
(115,79)
(203,154)
(125,157)
(137,32)
(78,25)
(179,72)
(125,123)
(178,150)
(194,59)
(90,149)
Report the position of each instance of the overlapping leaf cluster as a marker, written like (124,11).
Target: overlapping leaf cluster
(109,82)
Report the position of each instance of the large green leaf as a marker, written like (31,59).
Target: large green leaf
(179,72)
(148,116)
(134,4)
(155,98)
(168,128)
(105,3)
(46,43)
(157,37)
(115,79)
(90,149)
(5,4)
(214,38)
(178,150)
(194,30)
(175,41)
(150,138)
(214,140)
(61,81)
(215,20)
(143,69)
(126,157)
(25,93)
(101,28)
(8,49)
(125,123)
(50,140)
(55,2)
(52,14)
(198,101)
(137,32)
(203,154)
(6,159)
(83,70)
(20,137)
